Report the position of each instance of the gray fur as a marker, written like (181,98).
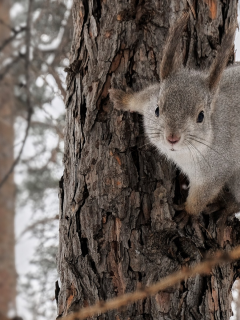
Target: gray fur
(208,152)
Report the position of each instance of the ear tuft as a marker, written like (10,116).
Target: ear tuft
(120,99)
(169,62)
(221,59)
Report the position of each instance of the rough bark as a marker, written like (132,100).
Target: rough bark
(118,228)
(7,191)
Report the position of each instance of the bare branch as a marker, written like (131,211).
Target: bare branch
(9,66)
(64,41)
(58,81)
(20,152)
(51,125)
(10,39)
(35,224)
(169,281)
(9,26)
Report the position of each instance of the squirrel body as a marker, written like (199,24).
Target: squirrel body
(193,118)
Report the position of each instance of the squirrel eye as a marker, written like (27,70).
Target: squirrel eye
(200,117)
(157,112)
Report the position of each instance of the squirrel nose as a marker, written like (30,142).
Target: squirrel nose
(173,139)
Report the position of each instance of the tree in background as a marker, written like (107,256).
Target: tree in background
(7,192)
(118,228)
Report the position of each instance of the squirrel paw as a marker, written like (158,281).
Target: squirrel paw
(193,208)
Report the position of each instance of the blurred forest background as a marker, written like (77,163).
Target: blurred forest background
(35,40)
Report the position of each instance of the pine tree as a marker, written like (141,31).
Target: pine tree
(118,228)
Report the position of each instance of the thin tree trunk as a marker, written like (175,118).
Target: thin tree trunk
(7,191)
(117,226)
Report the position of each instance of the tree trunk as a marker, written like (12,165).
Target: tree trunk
(117,223)
(7,191)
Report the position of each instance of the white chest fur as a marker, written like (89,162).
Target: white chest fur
(187,160)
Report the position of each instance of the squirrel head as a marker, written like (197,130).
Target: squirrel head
(182,111)
(179,109)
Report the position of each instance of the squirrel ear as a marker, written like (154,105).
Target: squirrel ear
(169,62)
(221,60)
(123,100)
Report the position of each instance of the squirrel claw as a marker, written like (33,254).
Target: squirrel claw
(179,207)
(212,207)
(181,219)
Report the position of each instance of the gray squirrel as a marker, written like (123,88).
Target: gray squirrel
(193,118)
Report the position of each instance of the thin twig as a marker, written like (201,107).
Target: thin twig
(11,38)
(169,281)
(35,224)
(58,80)
(28,100)
(8,67)
(8,26)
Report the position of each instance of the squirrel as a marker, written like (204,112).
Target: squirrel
(193,118)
